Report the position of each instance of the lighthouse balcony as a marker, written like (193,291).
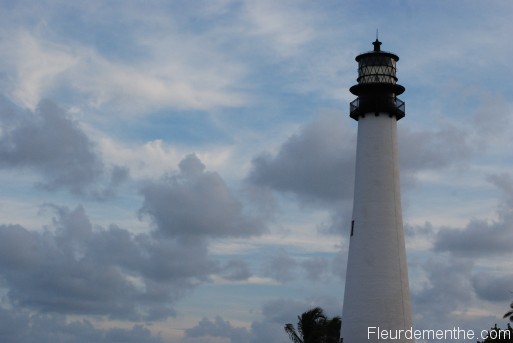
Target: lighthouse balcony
(395,107)
(400,106)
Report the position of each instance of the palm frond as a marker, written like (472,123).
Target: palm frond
(310,324)
(291,331)
(314,327)
(509,313)
(333,326)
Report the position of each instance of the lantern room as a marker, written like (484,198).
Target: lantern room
(377,87)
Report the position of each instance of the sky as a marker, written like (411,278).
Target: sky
(182,171)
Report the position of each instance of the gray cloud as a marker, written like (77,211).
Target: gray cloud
(339,264)
(316,164)
(218,328)
(194,202)
(317,268)
(493,288)
(73,268)
(20,327)
(479,237)
(433,149)
(424,230)
(492,132)
(49,142)
(453,285)
(450,295)
(448,282)
(281,267)
(236,270)
(53,145)
(504,183)
(265,331)
(116,176)
(447,289)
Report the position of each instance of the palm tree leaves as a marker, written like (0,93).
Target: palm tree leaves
(314,327)
(293,335)
(509,313)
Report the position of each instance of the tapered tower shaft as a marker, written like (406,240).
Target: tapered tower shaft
(376,292)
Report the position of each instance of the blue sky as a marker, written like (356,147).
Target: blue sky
(182,171)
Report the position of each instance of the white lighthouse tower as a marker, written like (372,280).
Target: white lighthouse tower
(376,292)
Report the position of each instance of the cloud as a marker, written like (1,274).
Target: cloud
(281,267)
(285,27)
(316,164)
(72,267)
(447,289)
(504,183)
(51,144)
(424,230)
(339,264)
(22,327)
(493,288)
(265,331)
(37,64)
(453,287)
(147,60)
(433,149)
(480,237)
(236,270)
(196,203)
(218,328)
(316,268)
(491,133)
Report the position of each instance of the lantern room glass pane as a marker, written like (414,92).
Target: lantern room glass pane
(376,73)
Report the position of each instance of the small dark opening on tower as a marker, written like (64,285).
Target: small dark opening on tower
(352,227)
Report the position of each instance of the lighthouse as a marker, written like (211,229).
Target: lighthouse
(377,293)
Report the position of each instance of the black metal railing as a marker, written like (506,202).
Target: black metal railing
(400,107)
(353,106)
(397,108)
